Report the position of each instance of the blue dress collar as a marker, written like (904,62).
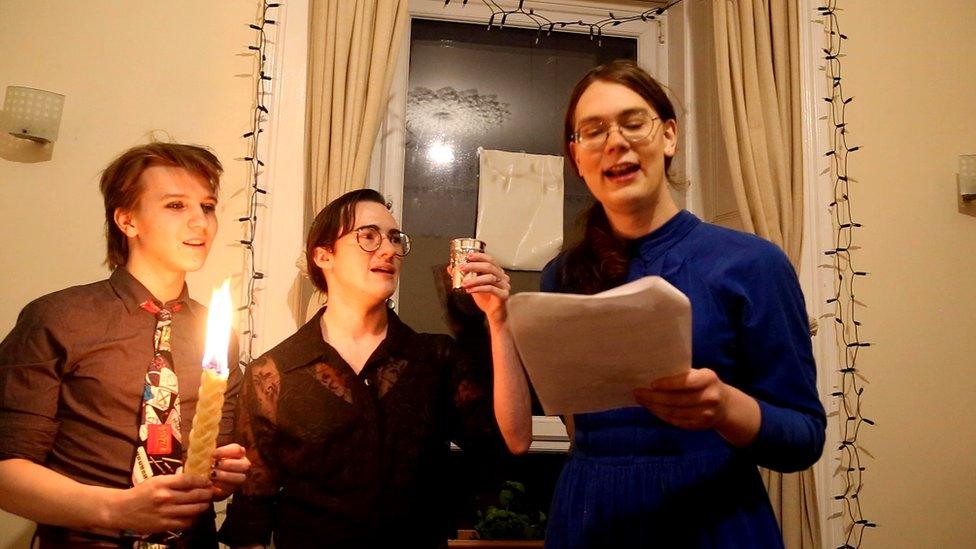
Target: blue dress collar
(652,245)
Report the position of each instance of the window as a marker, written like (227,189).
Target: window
(468,88)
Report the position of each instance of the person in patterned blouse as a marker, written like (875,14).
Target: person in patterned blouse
(348,422)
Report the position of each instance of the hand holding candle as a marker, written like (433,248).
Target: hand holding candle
(213,383)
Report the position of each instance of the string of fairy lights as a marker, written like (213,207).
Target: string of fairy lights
(545,26)
(255,191)
(849,393)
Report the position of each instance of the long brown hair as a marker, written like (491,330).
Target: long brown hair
(599,260)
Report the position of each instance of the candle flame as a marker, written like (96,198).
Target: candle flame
(218,330)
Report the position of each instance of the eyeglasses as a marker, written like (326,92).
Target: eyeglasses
(370,239)
(634,128)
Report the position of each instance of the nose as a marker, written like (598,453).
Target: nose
(386,248)
(615,139)
(198,218)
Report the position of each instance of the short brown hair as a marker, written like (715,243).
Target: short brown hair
(121,184)
(335,219)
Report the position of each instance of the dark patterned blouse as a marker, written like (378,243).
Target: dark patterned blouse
(347,460)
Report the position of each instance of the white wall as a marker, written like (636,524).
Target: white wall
(127,68)
(911,68)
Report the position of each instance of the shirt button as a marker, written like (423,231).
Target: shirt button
(367,381)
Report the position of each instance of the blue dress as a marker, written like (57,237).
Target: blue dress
(634,481)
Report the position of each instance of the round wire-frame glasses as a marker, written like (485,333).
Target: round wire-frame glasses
(370,239)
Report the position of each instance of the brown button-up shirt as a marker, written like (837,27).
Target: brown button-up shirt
(72,374)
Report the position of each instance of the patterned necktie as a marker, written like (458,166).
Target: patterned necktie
(160,450)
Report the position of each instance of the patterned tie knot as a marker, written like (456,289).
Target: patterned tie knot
(161,313)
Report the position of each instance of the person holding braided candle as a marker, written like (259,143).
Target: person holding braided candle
(98,383)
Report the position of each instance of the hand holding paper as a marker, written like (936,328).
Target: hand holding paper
(588,353)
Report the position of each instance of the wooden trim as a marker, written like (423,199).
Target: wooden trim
(282,231)
(816,281)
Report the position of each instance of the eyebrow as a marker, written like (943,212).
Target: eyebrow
(373,226)
(170,196)
(621,114)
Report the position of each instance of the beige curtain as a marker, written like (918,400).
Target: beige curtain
(757,58)
(757,61)
(352,54)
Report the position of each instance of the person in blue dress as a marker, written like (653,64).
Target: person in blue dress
(679,469)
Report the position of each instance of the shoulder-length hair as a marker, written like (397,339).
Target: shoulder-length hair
(599,260)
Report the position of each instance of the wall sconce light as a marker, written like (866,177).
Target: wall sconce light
(966,184)
(33,114)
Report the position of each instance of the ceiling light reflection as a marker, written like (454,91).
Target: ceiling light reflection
(440,154)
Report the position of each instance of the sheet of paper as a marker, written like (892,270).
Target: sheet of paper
(520,207)
(588,353)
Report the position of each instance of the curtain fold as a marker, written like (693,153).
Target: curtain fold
(758,78)
(757,53)
(352,55)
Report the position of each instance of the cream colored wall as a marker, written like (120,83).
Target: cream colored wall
(126,68)
(911,68)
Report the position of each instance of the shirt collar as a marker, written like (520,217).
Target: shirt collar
(658,241)
(133,293)
(307,345)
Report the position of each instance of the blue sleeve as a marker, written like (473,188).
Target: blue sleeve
(774,339)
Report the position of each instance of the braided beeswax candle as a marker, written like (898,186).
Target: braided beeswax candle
(213,382)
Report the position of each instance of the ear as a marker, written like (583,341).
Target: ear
(322,257)
(670,138)
(124,221)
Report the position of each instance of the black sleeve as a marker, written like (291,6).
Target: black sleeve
(249,514)
(473,426)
